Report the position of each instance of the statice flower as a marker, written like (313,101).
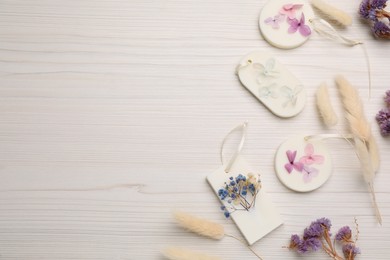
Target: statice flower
(381,29)
(383,116)
(344,234)
(350,250)
(385,128)
(317,236)
(387,98)
(379,19)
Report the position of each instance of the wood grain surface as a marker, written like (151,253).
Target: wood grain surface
(112,114)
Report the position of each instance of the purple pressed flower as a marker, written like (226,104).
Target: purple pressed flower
(300,26)
(309,173)
(383,115)
(302,248)
(365,8)
(295,240)
(324,222)
(350,250)
(274,21)
(344,234)
(313,243)
(378,4)
(297,244)
(387,98)
(385,128)
(381,30)
(291,162)
(315,230)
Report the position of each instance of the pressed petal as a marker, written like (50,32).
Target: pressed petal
(268,20)
(288,167)
(298,166)
(291,155)
(304,30)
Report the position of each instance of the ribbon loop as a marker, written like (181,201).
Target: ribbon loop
(243,128)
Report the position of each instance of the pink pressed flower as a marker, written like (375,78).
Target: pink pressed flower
(289,10)
(310,157)
(300,26)
(291,165)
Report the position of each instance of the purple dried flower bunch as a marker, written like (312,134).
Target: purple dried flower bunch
(317,236)
(239,193)
(383,116)
(374,11)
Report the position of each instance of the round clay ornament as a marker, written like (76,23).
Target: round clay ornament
(303,164)
(285,23)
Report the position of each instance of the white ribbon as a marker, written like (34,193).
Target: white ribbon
(243,128)
(326,30)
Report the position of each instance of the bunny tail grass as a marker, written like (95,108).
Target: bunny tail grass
(199,226)
(324,106)
(354,108)
(176,253)
(365,145)
(332,12)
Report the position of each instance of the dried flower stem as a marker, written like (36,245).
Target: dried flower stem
(357,231)
(240,240)
(330,250)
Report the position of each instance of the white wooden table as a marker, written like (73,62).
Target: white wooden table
(112,114)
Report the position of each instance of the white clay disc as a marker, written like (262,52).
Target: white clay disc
(303,165)
(272,84)
(285,24)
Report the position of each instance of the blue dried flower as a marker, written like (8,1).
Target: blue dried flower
(240,177)
(235,192)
